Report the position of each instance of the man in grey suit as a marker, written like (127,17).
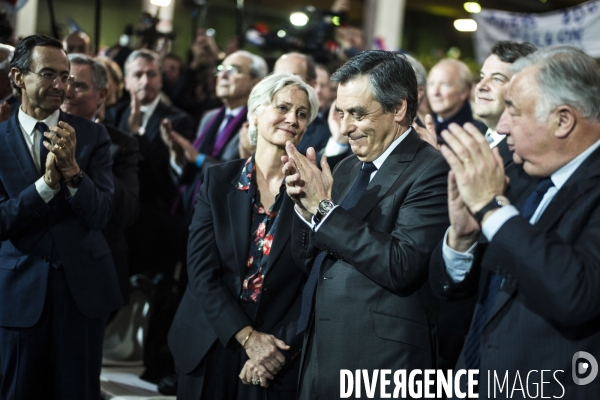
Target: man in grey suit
(537,322)
(365,233)
(217,139)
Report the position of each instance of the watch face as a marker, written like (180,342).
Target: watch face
(325,206)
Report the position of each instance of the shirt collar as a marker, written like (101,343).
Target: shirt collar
(148,109)
(235,112)
(381,159)
(495,137)
(28,123)
(564,173)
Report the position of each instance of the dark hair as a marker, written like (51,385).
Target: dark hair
(391,77)
(509,52)
(22,57)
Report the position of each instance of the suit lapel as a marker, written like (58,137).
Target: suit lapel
(390,171)
(283,230)
(240,206)
(584,179)
(153,125)
(18,147)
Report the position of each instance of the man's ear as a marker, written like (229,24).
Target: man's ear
(102,94)
(400,112)
(17,77)
(566,120)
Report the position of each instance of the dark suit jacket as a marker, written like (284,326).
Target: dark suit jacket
(548,308)
(373,308)
(67,228)
(317,134)
(126,200)
(217,254)
(157,186)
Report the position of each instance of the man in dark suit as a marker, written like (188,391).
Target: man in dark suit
(448,90)
(57,278)
(218,137)
(455,316)
(538,276)
(368,253)
(155,240)
(84,97)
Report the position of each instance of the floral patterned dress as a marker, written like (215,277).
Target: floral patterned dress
(263,231)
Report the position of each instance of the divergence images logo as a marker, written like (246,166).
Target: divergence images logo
(583,367)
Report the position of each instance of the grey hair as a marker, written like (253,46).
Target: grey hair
(146,54)
(391,79)
(99,74)
(566,75)
(9,51)
(465,77)
(419,70)
(262,96)
(258,66)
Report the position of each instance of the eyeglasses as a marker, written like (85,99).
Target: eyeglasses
(228,69)
(50,77)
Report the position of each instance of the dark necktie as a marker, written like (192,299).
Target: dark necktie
(494,283)
(41,128)
(360,184)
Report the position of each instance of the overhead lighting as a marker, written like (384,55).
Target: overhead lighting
(281,33)
(298,19)
(465,25)
(161,3)
(472,7)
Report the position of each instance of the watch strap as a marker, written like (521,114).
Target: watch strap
(492,205)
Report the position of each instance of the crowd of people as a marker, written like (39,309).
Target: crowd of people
(373,217)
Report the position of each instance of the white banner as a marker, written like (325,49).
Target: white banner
(577,26)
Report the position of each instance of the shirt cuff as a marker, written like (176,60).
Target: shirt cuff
(458,264)
(178,170)
(317,226)
(200,160)
(495,221)
(72,191)
(310,223)
(334,148)
(45,191)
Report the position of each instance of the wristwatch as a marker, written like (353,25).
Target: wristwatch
(76,179)
(325,206)
(496,202)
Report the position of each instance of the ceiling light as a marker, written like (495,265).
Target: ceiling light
(298,19)
(161,3)
(472,7)
(465,25)
(281,33)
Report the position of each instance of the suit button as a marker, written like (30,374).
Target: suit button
(259,322)
(267,290)
(446,288)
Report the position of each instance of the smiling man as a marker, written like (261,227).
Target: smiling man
(365,234)
(57,278)
(538,275)
(491,89)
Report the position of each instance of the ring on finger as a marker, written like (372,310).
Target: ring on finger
(466,160)
(256,381)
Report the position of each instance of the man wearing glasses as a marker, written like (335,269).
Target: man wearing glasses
(218,135)
(57,278)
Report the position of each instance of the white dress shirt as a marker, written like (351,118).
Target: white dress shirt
(32,138)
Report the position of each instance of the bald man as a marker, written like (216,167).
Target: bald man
(78,42)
